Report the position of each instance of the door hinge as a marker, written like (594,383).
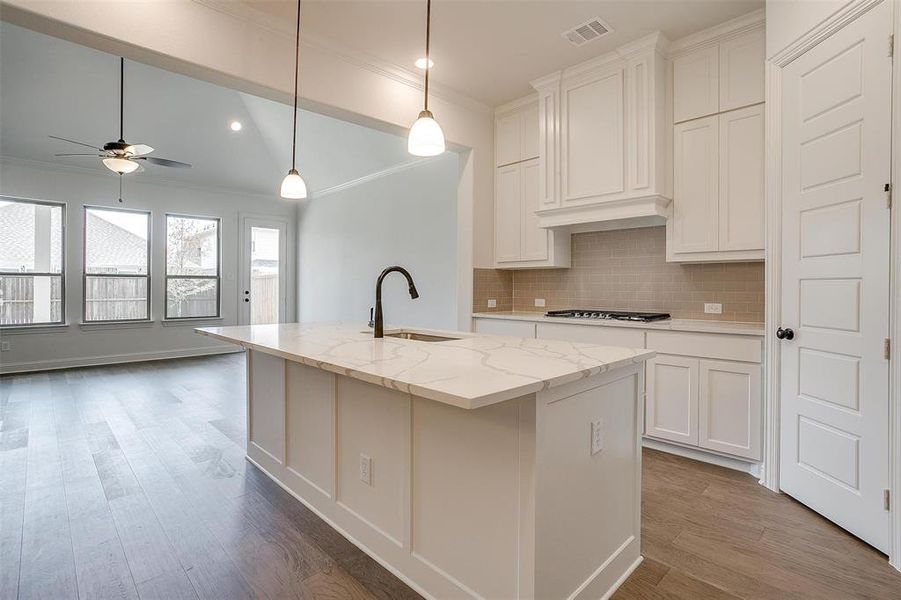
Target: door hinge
(888,195)
(887,349)
(887,499)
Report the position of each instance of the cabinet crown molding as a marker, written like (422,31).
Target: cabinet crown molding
(718,33)
(515,105)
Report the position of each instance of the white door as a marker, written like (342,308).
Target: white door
(534,238)
(263,273)
(507,214)
(696,185)
(696,84)
(836,112)
(672,399)
(741,202)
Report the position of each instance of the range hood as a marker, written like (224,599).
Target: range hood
(626,213)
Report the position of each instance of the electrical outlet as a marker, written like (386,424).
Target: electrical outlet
(539,302)
(713,308)
(365,469)
(597,436)
(492,303)
(4,346)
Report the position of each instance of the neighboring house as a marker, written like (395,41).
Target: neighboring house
(17,243)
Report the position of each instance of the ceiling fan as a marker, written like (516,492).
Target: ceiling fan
(122,157)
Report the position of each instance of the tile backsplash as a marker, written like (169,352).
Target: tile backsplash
(627,270)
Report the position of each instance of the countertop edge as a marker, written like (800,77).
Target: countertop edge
(685,325)
(464,402)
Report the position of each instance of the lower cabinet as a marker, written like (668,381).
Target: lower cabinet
(711,404)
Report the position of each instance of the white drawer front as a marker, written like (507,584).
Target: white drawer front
(523,329)
(592,334)
(707,345)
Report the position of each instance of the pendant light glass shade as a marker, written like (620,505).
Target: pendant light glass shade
(426,137)
(293,186)
(120,165)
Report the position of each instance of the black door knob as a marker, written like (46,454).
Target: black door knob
(246,299)
(785,334)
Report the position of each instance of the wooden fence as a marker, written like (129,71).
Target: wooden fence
(17,300)
(265,300)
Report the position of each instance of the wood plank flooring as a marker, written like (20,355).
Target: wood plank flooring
(130,482)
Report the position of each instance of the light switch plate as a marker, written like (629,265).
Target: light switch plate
(492,303)
(713,308)
(597,436)
(365,469)
(539,302)
(4,346)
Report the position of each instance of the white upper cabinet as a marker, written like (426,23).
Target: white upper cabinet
(534,238)
(718,204)
(508,139)
(741,70)
(508,211)
(602,139)
(528,123)
(696,84)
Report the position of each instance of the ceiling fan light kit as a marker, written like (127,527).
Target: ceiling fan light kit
(425,137)
(293,185)
(120,165)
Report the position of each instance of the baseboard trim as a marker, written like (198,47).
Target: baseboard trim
(112,359)
(735,464)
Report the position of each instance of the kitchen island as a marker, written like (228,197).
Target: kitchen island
(469,465)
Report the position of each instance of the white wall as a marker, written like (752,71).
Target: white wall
(77,345)
(787,20)
(407,218)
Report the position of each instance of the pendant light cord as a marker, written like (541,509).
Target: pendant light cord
(428,28)
(296,70)
(121,98)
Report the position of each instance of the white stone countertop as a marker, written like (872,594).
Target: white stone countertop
(692,325)
(470,372)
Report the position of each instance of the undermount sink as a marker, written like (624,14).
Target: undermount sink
(419,337)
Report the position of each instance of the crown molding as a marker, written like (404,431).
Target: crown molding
(248,15)
(517,104)
(552,79)
(387,172)
(718,33)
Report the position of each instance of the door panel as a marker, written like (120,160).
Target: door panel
(528,127)
(508,136)
(696,84)
(836,109)
(729,408)
(508,214)
(741,193)
(696,185)
(534,238)
(742,61)
(672,398)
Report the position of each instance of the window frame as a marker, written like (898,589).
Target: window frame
(63,321)
(217,276)
(85,274)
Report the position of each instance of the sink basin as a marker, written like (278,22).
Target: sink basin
(419,337)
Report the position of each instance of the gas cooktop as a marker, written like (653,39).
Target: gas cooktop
(612,315)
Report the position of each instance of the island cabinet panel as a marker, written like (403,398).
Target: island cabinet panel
(454,501)
(266,419)
(310,414)
(373,423)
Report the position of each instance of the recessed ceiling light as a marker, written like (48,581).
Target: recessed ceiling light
(421,63)
(235,125)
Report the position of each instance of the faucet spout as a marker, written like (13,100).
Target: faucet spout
(379,322)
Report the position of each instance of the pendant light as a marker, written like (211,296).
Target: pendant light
(293,185)
(426,137)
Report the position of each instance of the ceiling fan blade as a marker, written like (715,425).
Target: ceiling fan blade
(56,137)
(139,149)
(163,162)
(91,155)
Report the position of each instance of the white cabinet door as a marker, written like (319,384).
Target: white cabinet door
(548,146)
(525,329)
(591,136)
(741,194)
(729,404)
(507,139)
(742,70)
(534,238)
(696,84)
(528,138)
(696,185)
(672,399)
(592,334)
(508,214)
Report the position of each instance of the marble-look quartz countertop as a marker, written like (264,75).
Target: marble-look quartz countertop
(470,372)
(693,325)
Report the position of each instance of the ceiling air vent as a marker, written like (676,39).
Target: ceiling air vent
(590,30)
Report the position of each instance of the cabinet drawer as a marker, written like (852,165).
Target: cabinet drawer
(707,345)
(522,329)
(591,334)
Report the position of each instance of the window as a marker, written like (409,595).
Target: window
(116,265)
(192,267)
(32,262)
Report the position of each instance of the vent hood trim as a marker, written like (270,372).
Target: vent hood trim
(615,214)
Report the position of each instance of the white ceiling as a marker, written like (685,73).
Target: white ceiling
(490,49)
(53,87)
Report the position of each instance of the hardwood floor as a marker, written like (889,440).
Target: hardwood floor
(130,482)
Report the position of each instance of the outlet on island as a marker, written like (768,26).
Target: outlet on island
(597,436)
(365,469)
